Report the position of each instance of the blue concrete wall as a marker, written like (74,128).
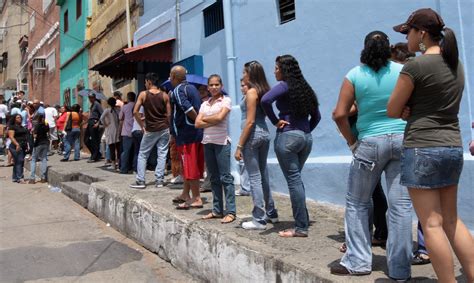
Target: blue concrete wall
(326,38)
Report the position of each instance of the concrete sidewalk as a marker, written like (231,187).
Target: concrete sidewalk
(209,250)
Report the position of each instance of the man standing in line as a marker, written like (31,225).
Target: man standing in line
(51,115)
(186,103)
(39,110)
(92,135)
(126,124)
(155,131)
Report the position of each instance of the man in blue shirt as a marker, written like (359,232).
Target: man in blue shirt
(186,102)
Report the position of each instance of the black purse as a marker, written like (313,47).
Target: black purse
(68,127)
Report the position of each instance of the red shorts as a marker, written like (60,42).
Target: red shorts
(192,158)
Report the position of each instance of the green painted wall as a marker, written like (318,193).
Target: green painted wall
(71,43)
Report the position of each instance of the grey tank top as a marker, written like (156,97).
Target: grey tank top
(259,115)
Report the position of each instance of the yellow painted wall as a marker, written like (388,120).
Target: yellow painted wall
(112,41)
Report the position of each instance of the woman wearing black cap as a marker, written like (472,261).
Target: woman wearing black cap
(430,89)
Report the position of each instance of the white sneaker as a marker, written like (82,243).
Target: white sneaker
(177,180)
(271,220)
(252,225)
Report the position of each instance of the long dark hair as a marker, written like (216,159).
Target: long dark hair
(449,49)
(376,52)
(13,120)
(400,52)
(257,78)
(303,99)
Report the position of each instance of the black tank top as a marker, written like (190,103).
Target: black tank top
(155,112)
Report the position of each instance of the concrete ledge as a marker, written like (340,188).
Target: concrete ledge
(211,251)
(77,191)
(211,254)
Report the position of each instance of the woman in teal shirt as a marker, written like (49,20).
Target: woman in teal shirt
(376,149)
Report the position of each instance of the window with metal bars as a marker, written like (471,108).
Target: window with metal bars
(213,18)
(287,10)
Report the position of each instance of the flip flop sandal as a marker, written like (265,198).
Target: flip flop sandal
(291,233)
(343,248)
(186,206)
(229,218)
(419,260)
(178,200)
(211,216)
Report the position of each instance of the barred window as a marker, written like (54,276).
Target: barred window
(286,10)
(213,18)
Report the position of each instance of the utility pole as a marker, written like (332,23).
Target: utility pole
(127,8)
(178,30)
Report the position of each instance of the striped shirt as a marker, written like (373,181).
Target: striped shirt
(219,133)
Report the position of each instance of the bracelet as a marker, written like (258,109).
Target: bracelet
(239,146)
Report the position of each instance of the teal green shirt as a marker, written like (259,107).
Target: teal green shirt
(372,90)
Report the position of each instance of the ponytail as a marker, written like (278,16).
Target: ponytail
(449,49)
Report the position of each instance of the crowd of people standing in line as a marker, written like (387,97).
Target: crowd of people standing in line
(399,116)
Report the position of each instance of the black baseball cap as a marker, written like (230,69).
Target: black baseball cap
(423,19)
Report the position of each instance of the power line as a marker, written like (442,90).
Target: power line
(42,18)
(14,26)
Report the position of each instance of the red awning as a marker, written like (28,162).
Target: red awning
(123,64)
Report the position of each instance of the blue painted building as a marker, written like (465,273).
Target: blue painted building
(326,37)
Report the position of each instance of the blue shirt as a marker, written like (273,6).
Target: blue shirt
(184,98)
(279,93)
(372,91)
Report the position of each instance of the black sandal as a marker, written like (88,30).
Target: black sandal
(419,260)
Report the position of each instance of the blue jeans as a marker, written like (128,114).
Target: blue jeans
(73,137)
(39,152)
(373,156)
(137,139)
(292,148)
(255,154)
(127,147)
(19,159)
(151,140)
(244,178)
(217,159)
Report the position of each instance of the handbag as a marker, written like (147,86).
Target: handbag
(68,127)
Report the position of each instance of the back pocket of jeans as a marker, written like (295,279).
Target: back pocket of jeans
(427,163)
(366,154)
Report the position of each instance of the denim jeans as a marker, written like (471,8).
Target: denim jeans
(73,138)
(39,152)
(244,178)
(373,156)
(292,148)
(151,140)
(127,150)
(137,139)
(218,165)
(255,154)
(19,159)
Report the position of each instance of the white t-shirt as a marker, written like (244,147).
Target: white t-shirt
(136,127)
(3,111)
(50,115)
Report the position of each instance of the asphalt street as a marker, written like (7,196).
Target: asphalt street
(45,236)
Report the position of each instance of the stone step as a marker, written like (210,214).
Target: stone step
(77,191)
